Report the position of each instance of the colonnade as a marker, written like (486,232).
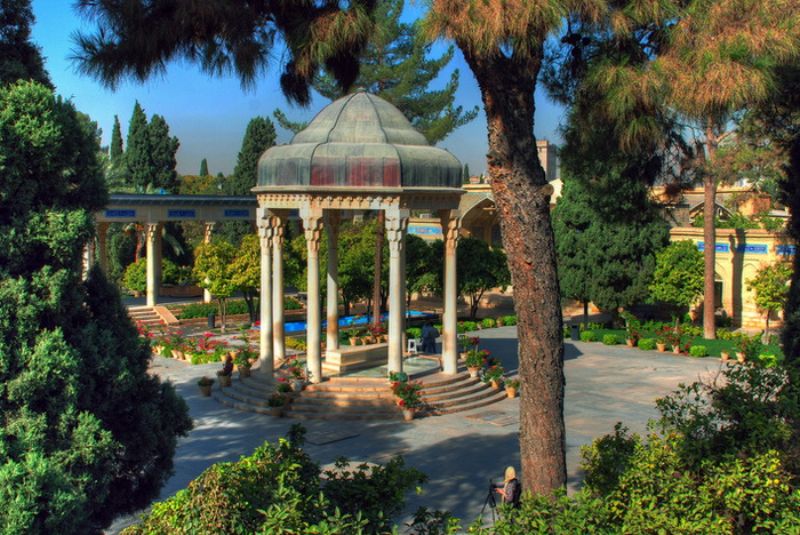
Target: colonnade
(271,225)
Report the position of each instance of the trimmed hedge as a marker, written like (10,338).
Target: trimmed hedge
(647,344)
(488,323)
(588,336)
(510,320)
(610,339)
(698,351)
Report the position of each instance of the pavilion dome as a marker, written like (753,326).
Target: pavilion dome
(358,141)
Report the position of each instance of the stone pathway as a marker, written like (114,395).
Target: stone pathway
(461,452)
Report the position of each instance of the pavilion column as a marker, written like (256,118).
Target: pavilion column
(278,335)
(332,306)
(207,232)
(450,224)
(153,251)
(396,226)
(102,246)
(265,342)
(312,226)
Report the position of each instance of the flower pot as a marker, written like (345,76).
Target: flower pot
(630,342)
(725,356)
(353,341)
(277,412)
(661,347)
(156,349)
(740,357)
(408,414)
(244,372)
(178,354)
(495,384)
(462,355)
(205,390)
(511,392)
(473,372)
(297,385)
(676,350)
(224,380)
(367,340)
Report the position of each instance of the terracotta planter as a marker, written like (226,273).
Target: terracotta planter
(473,372)
(277,412)
(408,414)
(661,347)
(740,357)
(205,390)
(511,392)
(354,341)
(156,349)
(630,342)
(244,372)
(224,380)
(725,356)
(495,384)
(367,340)
(676,350)
(178,354)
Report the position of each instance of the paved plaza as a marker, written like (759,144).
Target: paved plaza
(460,452)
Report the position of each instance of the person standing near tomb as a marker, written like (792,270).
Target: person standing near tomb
(429,336)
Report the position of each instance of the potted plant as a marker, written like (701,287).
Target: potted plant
(242,361)
(725,355)
(296,373)
(226,373)
(476,359)
(661,342)
(283,386)
(632,328)
(512,385)
(378,333)
(276,402)
(494,376)
(409,399)
(205,384)
(748,348)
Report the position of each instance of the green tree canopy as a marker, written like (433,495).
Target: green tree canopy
(246,272)
(678,278)
(771,287)
(116,141)
(20,59)
(87,433)
(203,167)
(150,156)
(213,269)
(479,269)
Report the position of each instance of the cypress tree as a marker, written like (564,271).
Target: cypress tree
(116,141)
(466,173)
(137,154)
(204,167)
(162,155)
(259,136)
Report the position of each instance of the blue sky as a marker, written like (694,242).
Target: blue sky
(209,115)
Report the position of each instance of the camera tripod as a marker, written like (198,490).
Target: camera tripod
(490,501)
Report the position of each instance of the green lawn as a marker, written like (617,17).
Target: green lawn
(713,347)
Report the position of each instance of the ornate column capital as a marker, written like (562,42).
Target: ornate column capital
(396,227)
(312,227)
(278,231)
(208,230)
(451,223)
(152,230)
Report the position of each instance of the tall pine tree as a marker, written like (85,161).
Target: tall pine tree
(259,136)
(137,153)
(162,155)
(20,59)
(204,167)
(116,142)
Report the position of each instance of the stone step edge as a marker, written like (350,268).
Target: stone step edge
(466,383)
(462,408)
(461,392)
(464,400)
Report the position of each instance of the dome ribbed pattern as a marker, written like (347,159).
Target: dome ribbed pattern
(359,141)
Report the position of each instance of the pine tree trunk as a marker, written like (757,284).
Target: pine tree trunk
(790,334)
(586,312)
(709,239)
(522,196)
(376,277)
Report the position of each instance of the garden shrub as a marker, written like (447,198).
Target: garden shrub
(279,489)
(588,336)
(135,276)
(488,323)
(698,351)
(293,342)
(510,320)
(647,344)
(723,458)
(769,360)
(610,339)
(467,326)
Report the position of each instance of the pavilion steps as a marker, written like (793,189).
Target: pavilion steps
(144,315)
(458,393)
(359,398)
